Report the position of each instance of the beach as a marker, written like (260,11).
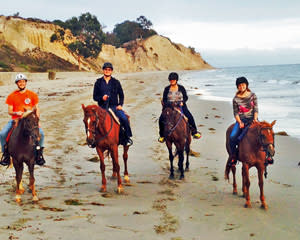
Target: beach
(201,206)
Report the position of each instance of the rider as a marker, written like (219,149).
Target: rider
(245,111)
(108,92)
(176,93)
(19,101)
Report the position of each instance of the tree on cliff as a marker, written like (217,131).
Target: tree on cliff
(88,33)
(131,30)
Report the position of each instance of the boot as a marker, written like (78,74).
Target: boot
(39,160)
(5,159)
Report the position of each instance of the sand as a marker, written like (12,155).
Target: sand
(152,207)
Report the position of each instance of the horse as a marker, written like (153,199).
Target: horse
(102,132)
(177,132)
(256,149)
(22,148)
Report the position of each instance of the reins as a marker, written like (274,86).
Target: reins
(265,148)
(172,130)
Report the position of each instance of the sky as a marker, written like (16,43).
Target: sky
(226,33)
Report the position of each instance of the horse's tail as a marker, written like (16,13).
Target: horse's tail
(227,171)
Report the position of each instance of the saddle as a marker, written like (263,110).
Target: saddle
(15,124)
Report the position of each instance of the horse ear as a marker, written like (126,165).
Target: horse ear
(83,107)
(273,123)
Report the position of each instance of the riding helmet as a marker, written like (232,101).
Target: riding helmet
(108,65)
(20,76)
(172,76)
(240,80)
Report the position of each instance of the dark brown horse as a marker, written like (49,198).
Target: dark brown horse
(103,133)
(21,147)
(254,149)
(177,132)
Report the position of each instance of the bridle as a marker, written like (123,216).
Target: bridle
(173,127)
(265,147)
(94,131)
(29,130)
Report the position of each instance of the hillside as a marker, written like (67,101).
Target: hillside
(25,46)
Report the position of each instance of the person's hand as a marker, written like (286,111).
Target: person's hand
(119,107)
(19,113)
(242,125)
(255,120)
(105,97)
(181,104)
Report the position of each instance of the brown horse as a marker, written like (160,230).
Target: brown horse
(177,132)
(103,133)
(21,147)
(254,150)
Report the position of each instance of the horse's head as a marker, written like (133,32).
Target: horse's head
(30,123)
(171,116)
(90,120)
(266,137)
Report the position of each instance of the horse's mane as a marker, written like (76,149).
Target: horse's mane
(260,124)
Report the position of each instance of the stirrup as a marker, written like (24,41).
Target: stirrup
(5,160)
(197,135)
(129,142)
(161,139)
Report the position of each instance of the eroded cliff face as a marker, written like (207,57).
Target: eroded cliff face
(154,53)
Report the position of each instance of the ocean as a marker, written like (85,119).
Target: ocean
(277,88)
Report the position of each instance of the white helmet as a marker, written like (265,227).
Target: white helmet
(20,76)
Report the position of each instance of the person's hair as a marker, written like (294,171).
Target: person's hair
(173,75)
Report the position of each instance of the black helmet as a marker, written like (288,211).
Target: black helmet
(240,80)
(107,65)
(173,75)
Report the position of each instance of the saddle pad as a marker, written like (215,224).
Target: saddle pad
(114,115)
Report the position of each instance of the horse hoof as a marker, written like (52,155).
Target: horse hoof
(187,169)
(264,206)
(35,199)
(247,205)
(171,177)
(120,190)
(234,193)
(103,189)
(126,179)
(181,178)
(18,198)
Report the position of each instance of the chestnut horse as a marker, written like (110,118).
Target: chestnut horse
(255,150)
(103,133)
(177,132)
(22,148)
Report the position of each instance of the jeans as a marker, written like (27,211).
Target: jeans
(237,134)
(123,120)
(4,132)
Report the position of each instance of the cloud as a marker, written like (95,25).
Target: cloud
(256,35)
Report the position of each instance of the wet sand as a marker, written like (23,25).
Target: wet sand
(152,206)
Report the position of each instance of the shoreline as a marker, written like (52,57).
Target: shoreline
(152,207)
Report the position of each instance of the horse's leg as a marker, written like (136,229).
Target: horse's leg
(260,171)
(114,156)
(19,188)
(31,181)
(246,184)
(234,186)
(187,152)
(102,168)
(180,164)
(125,157)
(171,157)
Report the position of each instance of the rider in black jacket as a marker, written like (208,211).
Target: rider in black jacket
(108,93)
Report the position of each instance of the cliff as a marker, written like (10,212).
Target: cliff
(31,39)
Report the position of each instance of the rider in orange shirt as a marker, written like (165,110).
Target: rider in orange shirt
(19,101)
